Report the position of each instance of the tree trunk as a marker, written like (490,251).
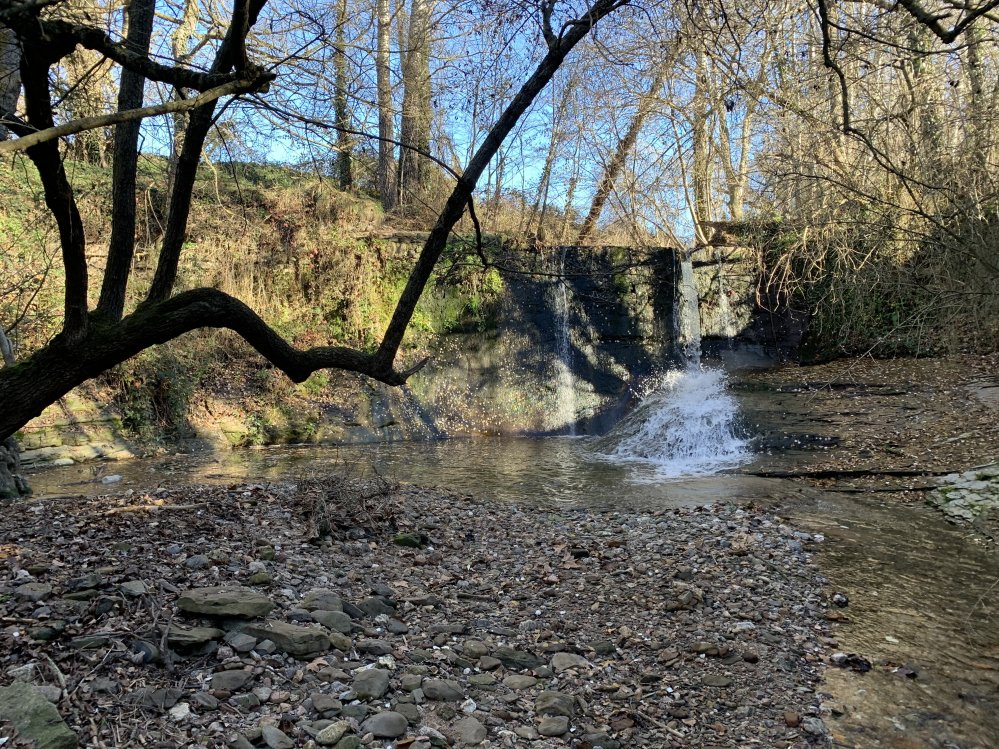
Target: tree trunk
(415,124)
(10,77)
(341,111)
(646,104)
(386,116)
(140,14)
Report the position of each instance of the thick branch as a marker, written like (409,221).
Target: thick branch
(932,21)
(58,192)
(462,193)
(63,364)
(130,115)
(61,37)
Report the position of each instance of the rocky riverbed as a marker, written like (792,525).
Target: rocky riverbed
(348,613)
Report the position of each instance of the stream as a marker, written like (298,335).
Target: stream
(923,594)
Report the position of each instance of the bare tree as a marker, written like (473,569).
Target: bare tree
(92,341)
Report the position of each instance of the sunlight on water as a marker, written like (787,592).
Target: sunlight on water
(684,427)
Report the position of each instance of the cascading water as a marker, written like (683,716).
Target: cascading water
(684,427)
(687,315)
(565,386)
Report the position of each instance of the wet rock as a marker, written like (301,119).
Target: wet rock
(225,601)
(35,718)
(371,683)
(291,638)
(388,725)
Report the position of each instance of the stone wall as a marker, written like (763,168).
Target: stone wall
(575,333)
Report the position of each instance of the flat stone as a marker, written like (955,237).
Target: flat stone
(443,690)
(349,742)
(340,641)
(374,647)
(332,734)
(241,642)
(715,680)
(191,637)
(470,732)
(322,599)
(225,601)
(518,659)
(291,638)
(231,681)
(34,592)
(555,703)
(564,661)
(553,725)
(197,562)
(334,620)
(386,725)
(519,682)
(133,588)
(371,683)
(35,718)
(275,738)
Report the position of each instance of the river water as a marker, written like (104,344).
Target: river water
(923,595)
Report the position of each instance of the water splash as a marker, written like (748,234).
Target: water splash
(684,427)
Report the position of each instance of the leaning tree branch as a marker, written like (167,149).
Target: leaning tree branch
(932,20)
(54,370)
(454,209)
(114,118)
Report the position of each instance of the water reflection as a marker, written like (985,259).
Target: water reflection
(555,471)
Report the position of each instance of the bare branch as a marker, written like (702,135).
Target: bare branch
(113,118)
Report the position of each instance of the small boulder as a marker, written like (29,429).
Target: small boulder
(225,601)
(35,718)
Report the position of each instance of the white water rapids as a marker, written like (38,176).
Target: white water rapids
(684,427)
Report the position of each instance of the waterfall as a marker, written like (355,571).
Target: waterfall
(686,426)
(687,315)
(565,386)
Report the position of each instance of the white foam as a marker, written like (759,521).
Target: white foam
(684,427)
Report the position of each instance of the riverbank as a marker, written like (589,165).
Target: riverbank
(422,618)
